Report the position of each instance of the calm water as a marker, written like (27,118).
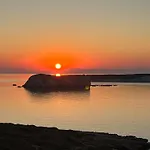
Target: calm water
(123,109)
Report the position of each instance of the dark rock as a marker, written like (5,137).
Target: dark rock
(42,82)
(94,85)
(29,137)
(14,84)
(19,86)
(107,85)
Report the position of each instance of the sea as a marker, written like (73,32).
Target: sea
(122,109)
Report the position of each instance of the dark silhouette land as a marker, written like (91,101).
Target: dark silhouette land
(139,78)
(47,83)
(42,82)
(29,137)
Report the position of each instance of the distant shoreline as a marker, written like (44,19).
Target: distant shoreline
(127,78)
(30,137)
(90,74)
(134,78)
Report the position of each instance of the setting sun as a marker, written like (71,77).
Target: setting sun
(58,66)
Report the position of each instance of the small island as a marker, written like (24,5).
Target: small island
(30,137)
(43,82)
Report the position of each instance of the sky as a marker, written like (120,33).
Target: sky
(96,36)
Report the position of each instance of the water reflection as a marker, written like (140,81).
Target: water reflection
(65,95)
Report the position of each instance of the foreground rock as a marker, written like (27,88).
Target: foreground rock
(21,137)
(42,82)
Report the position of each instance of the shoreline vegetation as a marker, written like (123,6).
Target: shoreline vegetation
(30,137)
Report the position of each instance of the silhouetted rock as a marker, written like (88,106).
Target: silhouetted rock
(94,85)
(107,85)
(42,82)
(14,84)
(29,137)
(19,86)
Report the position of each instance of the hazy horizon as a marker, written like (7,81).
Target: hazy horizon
(77,71)
(83,36)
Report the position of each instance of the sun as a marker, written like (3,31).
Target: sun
(58,66)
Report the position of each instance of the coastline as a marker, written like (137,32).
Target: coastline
(126,78)
(30,137)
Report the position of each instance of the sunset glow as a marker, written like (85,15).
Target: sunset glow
(107,36)
(58,75)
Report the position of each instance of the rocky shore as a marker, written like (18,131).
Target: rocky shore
(30,137)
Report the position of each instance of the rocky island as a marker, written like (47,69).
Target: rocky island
(30,137)
(43,82)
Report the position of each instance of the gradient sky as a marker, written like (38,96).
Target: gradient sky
(89,35)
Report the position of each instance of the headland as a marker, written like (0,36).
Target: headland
(30,137)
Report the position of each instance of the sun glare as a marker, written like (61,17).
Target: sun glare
(58,66)
(58,75)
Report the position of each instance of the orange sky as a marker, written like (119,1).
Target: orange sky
(85,35)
